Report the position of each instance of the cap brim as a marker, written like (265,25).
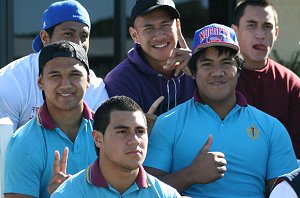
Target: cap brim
(37,44)
(222,44)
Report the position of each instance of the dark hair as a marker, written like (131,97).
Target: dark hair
(221,50)
(241,6)
(51,30)
(116,103)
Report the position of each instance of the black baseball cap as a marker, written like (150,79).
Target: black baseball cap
(143,7)
(63,48)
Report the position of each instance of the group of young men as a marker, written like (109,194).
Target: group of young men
(216,135)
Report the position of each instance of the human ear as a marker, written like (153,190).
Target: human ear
(98,138)
(89,81)
(40,82)
(45,37)
(234,27)
(133,34)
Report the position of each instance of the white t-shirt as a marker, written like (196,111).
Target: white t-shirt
(283,190)
(20,96)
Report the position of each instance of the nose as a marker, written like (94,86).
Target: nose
(159,34)
(260,34)
(218,71)
(65,83)
(134,140)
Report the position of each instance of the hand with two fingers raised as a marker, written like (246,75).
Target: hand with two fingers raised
(59,172)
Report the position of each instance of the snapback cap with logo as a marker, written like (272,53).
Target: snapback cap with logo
(214,35)
(58,12)
(63,48)
(143,7)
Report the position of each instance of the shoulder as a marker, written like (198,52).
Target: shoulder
(269,124)
(257,113)
(75,186)
(180,111)
(165,189)
(27,147)
(22,64)
(20,72)
(123,70)
(27,138)
(282,70)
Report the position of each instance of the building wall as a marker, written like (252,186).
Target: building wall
(289,28)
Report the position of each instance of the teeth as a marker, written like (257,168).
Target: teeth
(160,46)
(65,94)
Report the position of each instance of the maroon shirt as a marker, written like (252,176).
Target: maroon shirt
(276,91)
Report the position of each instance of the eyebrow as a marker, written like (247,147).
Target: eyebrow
(223,59)
(251,21)
(121,127)
(126,127)
(74,30)
(205,59)
(162,22)
(53,72)
(69,28)
(74,70)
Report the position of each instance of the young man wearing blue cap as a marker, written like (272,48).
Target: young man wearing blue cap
(153,67)
(266,84)
(215,144)
(20,97)
(121,139)
(64,120)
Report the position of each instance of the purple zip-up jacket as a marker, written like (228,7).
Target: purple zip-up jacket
(135,78)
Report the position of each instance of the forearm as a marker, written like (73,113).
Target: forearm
(180,180)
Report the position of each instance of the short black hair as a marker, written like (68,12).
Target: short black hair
(221,50)
(115,103)
(50,30)
(241,6)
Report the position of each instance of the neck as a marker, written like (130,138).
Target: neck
(120,178)
(67,121)
(158,66)
(255,65)
(222,108)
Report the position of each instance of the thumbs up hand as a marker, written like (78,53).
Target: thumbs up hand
(207,166)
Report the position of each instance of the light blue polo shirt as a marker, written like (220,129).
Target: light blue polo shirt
(30,153)
(257,147)
(91,183)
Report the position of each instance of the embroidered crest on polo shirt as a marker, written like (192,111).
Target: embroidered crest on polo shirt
(253,132)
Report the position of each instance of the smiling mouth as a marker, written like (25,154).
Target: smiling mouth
(217,83)
(160,45)
(65,94)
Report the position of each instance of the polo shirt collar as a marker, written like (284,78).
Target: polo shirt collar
(45,120)
(241,100)
(95,177)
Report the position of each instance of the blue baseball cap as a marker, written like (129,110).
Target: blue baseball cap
(58,12)
(214,35)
